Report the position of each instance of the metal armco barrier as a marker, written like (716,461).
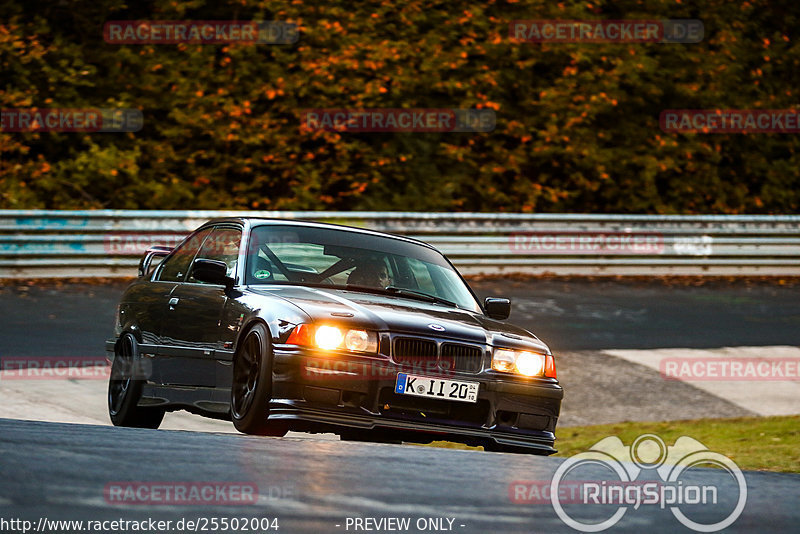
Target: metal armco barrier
(37,244)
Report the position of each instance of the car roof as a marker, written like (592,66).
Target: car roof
(266,221)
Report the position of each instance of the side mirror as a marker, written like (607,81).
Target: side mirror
(212,272)
(497,308)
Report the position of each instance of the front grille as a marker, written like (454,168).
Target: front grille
(414,351)
(464,358)
(423,355)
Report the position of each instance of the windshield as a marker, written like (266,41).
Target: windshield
(326,257)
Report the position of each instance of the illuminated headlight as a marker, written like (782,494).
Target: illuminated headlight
(328,337)
(530,364)
(523,362)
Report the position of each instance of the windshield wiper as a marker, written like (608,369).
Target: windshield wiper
(420,295)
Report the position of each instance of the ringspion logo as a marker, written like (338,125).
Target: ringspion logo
(665,483)
(538,491)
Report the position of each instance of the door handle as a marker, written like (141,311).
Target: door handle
(173,302)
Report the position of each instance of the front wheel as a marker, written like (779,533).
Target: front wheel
(125,389)
(251,389)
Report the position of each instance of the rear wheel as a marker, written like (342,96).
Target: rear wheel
(125,389)
(251,389)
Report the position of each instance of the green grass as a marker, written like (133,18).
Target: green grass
(754,443)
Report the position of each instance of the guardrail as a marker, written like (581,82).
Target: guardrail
(44,243)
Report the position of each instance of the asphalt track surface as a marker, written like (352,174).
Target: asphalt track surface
(59,471)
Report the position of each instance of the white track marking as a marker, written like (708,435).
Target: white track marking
(764,397)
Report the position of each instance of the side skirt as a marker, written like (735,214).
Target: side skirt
(208,402)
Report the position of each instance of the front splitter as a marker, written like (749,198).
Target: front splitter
(288,410)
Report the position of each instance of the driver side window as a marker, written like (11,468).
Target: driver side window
(176,265)
(222,245)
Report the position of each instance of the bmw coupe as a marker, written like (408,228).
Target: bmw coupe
(285,325)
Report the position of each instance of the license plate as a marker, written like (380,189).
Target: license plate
(436,388)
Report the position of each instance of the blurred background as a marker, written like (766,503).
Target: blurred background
(577,124)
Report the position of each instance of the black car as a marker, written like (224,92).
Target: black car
(284,325)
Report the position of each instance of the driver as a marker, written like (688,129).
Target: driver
(228,245)
(371,273)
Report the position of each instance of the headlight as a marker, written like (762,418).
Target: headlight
(328,337)
(357,340)
(504,360)
(524,363)
(530,364)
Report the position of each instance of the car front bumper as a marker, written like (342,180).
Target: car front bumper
(331,392)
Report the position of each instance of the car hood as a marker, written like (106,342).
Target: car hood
(401,315)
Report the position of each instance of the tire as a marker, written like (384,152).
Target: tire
(251,388)
(125,389)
